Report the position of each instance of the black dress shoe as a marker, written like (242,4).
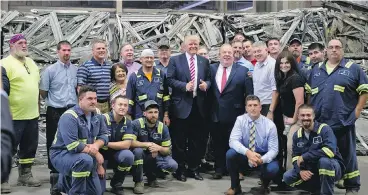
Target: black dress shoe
(205,167)
(217,176)
(195,175)
(180,177)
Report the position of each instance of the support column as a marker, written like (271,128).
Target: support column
(119,6)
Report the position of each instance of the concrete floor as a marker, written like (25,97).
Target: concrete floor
(191,187)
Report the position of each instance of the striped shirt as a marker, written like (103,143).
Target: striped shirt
(97,75)
(116,90)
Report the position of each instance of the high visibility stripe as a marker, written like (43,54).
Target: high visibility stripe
(328,152)
(348,64)
(138,162)
(142,97)
(314,90)
(321,127)
(81,174)
(98,111)
(296,183)
(351,175)
(300,133)
(26,161)
(165,171)
(307,60)
(166,143)
(320,64)
(124,168)
(72,145)
(166,98)
(129,136)
(107,119)
(105,148)
(83,141)
(295,158)
(327,172)
(141,121)
(131,102)
(307,88)
(160,127)
(72,113)
(362,88)
(339,88)
(158,70)
(160,95)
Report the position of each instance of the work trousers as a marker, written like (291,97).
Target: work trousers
(122,162)
(143,161)
(322,182)
(26,136)
(221,134)
(77,173)
(346,143)
(236,162)
(52,119)
(187,137)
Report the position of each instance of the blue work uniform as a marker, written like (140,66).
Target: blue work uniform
(321,157)
(77,170)
(120,160)
(334,97)
(142,156)
(140,89)
(304,66)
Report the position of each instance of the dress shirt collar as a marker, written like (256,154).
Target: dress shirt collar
(267,60)
(66,65)
(189,56)
(257,121)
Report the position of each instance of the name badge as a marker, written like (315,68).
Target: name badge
(300,144)
(156,136)
(317,140)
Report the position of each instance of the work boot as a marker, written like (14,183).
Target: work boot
(340,184)
(5,188)
(351,192)
(138,188)
(116,183)
(26,178)
(54,177)
(153,184)
(117,190)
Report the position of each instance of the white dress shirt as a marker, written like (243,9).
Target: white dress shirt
(264,80)
(219,73)
(196,72)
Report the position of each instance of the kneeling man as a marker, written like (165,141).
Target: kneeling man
(316,158)
(151,146)
(254,144)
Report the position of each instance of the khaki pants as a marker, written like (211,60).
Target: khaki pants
(293,129)
(104,107)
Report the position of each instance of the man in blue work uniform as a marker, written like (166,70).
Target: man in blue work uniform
(74,152)
(117,153)
(149,83)
(152,146)
(316,158)
(338,91)
(304,64)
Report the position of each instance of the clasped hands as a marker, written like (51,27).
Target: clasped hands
(153,148)
(254,158)
(304,174)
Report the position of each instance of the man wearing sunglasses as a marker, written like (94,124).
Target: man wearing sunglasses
(24,77)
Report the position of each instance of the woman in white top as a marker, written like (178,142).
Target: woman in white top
(119,80)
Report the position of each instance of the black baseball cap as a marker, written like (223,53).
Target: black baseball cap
(150,104)
(295,39)
(163,44)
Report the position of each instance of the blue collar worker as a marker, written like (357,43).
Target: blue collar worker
(316,158)
(74,152)
(253,144)
(152,146)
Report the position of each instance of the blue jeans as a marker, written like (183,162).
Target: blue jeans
(236,162)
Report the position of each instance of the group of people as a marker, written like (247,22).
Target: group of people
(289,116)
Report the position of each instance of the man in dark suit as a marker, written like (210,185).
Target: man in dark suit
(189,77)
(230,86)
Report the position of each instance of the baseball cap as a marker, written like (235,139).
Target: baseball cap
(164,44)
(150,103)
(295,39)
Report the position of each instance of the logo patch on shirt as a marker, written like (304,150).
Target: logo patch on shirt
(123,129)
(300,144)
(156,136)
(140,83)
(143,132)
(317,74)
(344,72)
(157,80)
(317,140)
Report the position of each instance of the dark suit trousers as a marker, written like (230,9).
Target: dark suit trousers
(221,134)
(52,119)
(188,134)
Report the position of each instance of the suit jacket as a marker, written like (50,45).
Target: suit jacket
(7,139)
(228,105)
(178,76)
(5,79)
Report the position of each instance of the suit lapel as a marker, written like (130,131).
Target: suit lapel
(214,72)
(185,66)
(199,70)
(231,76)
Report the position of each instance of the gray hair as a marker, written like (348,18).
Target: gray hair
(259,44)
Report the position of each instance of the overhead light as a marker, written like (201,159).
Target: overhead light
(195,4)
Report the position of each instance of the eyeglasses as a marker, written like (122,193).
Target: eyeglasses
(25,66)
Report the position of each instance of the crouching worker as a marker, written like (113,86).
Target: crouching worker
(152,147)
(74,152)
(316,159)
(117,154)
(253,144)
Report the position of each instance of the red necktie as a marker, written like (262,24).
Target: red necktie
(223,80)
(192,69)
